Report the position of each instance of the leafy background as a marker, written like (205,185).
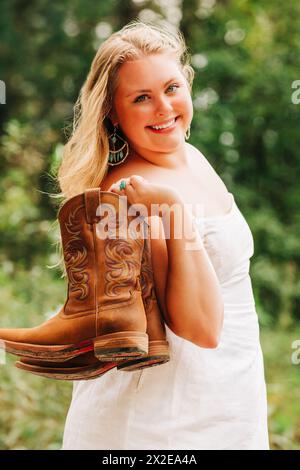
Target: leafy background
(246,57)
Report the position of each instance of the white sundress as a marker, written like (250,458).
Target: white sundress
(200,399)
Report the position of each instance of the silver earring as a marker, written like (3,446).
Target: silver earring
(118,152)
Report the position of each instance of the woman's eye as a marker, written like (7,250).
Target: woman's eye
(137,100)
(176,86)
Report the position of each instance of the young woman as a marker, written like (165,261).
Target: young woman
(212,392)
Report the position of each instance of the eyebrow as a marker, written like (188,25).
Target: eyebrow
(146,91)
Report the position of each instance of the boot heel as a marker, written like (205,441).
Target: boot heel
(158,354)
(158,348)
(121,346)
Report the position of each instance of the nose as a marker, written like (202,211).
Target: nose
(164,107)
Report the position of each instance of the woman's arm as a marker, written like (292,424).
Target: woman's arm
(193,305)
(186,283)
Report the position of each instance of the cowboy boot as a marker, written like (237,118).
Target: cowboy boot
(84,367)
(104,309)
(158,345)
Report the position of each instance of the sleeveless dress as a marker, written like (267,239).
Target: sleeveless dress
(200,399)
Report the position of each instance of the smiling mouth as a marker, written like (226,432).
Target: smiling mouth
(163,128)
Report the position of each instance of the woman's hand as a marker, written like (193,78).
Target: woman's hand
(140,191)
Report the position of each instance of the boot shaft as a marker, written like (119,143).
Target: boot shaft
(102,255)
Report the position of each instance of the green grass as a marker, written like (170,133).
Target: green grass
(32,409)
(283,386)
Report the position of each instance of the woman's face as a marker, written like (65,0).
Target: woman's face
(152,91)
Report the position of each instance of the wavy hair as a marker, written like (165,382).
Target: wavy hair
(85,156)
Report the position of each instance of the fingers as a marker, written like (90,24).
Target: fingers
(137,180)
(133,182)
(115,187)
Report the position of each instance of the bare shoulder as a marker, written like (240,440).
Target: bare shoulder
(125,170)
(115,173)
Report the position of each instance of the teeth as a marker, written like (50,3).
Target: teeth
(168,124)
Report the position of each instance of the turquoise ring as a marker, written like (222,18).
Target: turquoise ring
(122,185)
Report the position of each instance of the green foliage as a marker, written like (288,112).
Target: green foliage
(283,382)
(32,409)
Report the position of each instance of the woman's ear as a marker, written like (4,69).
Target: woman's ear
(113,117)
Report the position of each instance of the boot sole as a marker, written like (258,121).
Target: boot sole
(121,346)
(107,348)
(55,353)
(74,373)
(158,354)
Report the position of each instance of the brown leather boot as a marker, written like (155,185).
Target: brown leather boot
(84,367)
(104,309)
(158,345)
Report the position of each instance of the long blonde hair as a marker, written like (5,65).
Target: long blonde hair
(85,156)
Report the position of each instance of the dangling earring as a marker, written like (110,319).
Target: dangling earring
(119,154)
(188,133)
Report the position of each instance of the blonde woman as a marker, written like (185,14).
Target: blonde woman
(135,111)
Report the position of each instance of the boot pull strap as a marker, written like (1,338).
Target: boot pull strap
(92,201)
